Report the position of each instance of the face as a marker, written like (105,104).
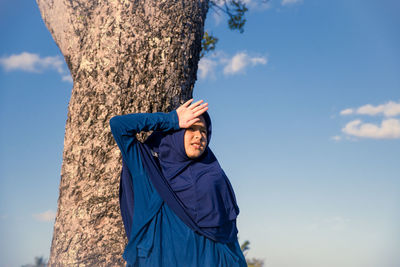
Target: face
(195,139)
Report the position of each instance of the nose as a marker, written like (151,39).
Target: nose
(197,134)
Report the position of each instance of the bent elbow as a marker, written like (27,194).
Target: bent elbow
(114,123)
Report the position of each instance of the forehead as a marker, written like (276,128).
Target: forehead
(201,123)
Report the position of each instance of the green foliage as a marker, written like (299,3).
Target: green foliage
(236,18)
(207,44)
(253,262)
(245,246)
(235,10)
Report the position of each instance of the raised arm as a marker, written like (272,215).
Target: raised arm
(125,127)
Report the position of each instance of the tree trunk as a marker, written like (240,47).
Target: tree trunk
(124,56)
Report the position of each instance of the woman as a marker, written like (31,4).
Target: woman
(177,204)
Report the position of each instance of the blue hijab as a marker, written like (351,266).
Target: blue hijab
(197,190)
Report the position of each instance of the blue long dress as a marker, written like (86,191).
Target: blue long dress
(157,236)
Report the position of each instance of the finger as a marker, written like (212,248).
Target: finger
(191,122)
(201,111)
(200,107)
(192,106)
(187,103)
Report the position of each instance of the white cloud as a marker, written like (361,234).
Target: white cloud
(336,138)
(388,109)
(31,62)
(240,61)
(217,13)
(217,17)
(231,65)
(236,64)
(219,2)
(207,67)
(67,78)
(46,216)
(248,2)
(257,5)
(347,111)
(389,129)
(290,2)
(258,60)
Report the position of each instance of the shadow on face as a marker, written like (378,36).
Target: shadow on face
(195,139)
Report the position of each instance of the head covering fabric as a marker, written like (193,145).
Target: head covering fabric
(197,190)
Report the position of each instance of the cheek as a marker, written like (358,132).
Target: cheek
(186,140)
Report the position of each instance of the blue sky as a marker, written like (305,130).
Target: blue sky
(306,116)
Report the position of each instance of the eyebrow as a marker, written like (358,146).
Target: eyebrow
(198,126)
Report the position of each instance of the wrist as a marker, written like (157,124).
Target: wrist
(174,119)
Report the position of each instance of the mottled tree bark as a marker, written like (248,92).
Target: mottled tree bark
(124,56)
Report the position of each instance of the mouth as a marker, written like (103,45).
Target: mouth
(196,145)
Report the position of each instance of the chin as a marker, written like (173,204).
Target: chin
(195,155)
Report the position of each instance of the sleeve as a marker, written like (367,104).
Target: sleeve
(125,127)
